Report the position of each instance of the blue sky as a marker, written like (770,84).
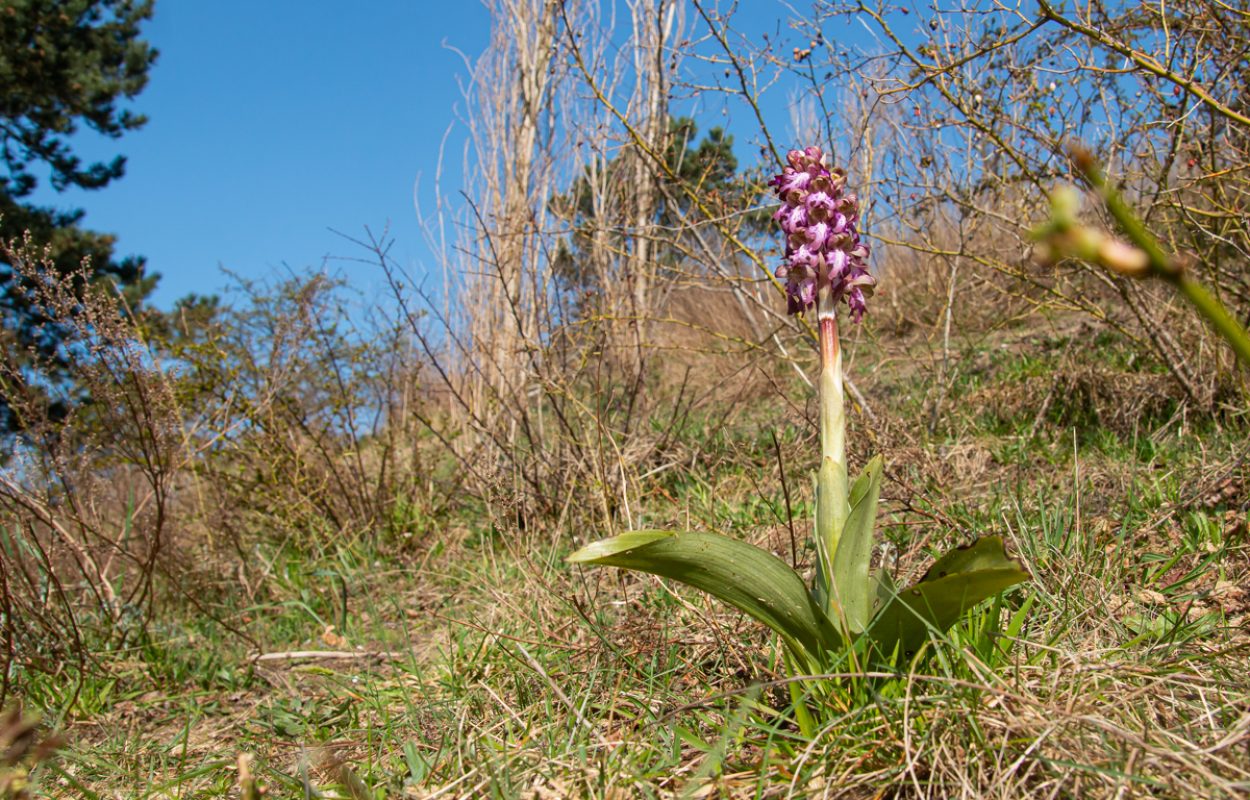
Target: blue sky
(273,122)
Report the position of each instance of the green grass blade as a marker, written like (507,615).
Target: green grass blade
(747,577)
(853,589)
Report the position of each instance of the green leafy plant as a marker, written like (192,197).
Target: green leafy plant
(848,615)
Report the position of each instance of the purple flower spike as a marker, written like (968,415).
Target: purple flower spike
(822,236)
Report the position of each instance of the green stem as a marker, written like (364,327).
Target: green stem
(831,477)
(1217,315)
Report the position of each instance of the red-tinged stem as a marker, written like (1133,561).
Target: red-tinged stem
(830,352)
(832,402)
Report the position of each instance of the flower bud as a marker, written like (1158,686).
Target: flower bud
(1123,258)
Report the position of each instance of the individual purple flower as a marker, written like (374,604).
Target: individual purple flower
(805,256)
(819,206)
(792,218)
(817,235)
(791,180)
(837,264)
(823,247)
(857,286)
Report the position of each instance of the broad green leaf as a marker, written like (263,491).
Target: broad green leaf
(886,589)
(862,483)
(852,588)
(956,582)
(622,543)
(747,577)
(988,552)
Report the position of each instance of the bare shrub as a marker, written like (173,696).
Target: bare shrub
(314,387)
(175,453)
(540,382)
(85,488)
(980,102)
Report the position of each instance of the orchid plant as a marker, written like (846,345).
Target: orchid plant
(847,613)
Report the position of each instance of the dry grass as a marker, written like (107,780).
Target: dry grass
(505,672)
